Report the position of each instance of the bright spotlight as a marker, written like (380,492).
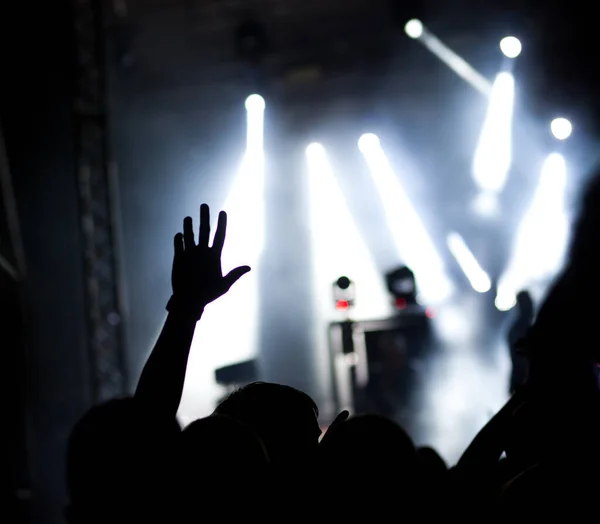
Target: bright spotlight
(511,46)
(315,149)
(255,103)
(368,142)
(561,128)
(505,299)
(414,28)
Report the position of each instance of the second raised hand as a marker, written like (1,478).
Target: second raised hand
(197,276)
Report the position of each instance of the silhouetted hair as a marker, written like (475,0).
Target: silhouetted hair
(284,418)
(253,399)
(584,249)
(567,313)
(431,461)
(368,443)
(116,451)
(218,445)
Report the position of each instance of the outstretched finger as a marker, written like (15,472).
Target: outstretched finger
(340,419)
(188,233)
(204,226)
(178,244)
(220,233)
(234,275)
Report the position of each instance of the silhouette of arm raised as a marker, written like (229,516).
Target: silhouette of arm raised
(197,280)
(487,446)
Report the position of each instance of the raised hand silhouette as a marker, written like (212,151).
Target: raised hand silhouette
(197,277)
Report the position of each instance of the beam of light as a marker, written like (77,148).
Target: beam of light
(478,278)
(416,30)
(413,243)
(228,330)
(337,249)
(542,236)
(486,204)
(493,155)
(338,246)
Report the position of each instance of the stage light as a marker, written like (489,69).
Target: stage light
(511,46)
(343,283)
(493,156)
(414,28)
(343,293)
(368,142)
(506,298)
(401,284)
(342,305)
(542,237)
(255,103)
(561,128)
(478,278)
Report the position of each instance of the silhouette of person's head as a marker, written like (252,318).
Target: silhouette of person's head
(222,446)
(375,457)
(568,306)
(284,418)
(434,482)
(212,452)
(561,347)
(373,447)
(431,461)
(525,445)
(118,460)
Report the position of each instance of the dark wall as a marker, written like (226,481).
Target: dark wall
(36,119)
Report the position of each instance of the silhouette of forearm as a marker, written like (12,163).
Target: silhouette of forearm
(161,383)
(489,443)
(485,448)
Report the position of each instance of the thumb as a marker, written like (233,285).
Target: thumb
(341,418)
(234,275)
(338,421)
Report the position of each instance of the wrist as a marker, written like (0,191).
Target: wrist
(179,306)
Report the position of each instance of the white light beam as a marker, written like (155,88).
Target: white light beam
(478,278)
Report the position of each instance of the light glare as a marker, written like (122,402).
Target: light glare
(561,128)
(414,28)
(511,46)
(315,149)
(255,103)
(368,142)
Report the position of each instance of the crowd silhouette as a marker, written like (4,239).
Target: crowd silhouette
(261,453)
